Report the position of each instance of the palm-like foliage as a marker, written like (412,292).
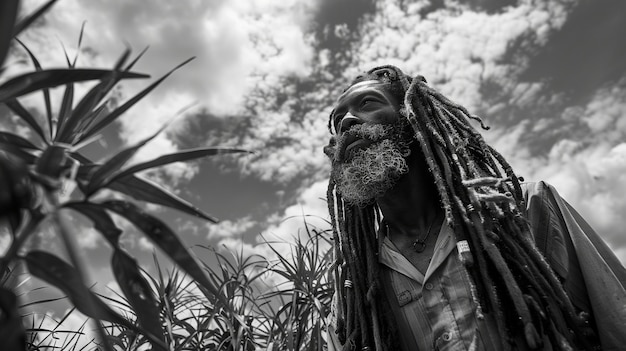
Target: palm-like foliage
(37,176)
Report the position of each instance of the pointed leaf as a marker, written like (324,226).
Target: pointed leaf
(134,61)
(45,92)
(30,19)
(139,294)
(104,172)
(80,42)
(64,110)
(62,275)
(18,152)
(166,239)
(29,82)
(21,112)
(145,190)
(68,127)
(84,123)
(128,104)
(180,156)
(100,218)
(16,140)
(8,15)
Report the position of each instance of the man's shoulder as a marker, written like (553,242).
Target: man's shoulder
(534,188)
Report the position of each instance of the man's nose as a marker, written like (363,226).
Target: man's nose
(347,122)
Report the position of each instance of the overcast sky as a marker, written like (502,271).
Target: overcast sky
(549,77)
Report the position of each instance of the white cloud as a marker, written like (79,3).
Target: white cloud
(456,49)
(291,225)
(588,171)
(229,229)
(238,46)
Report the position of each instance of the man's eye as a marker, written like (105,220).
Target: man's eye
(367,101)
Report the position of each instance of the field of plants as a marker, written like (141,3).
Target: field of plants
(45,181)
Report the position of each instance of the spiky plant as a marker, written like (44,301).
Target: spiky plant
(286,313)
(298,322)
(37,179)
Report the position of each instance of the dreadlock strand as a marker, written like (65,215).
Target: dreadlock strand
(509,172)
(488,287)
(454,105)
(367,218)
(427,151)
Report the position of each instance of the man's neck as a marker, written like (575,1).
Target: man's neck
(412,206)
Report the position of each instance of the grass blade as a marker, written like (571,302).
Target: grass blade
(145,190)
(33,81)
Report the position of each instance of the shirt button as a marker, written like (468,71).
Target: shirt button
(428,286)
(447,336)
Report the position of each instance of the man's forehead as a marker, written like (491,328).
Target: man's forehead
(361,87)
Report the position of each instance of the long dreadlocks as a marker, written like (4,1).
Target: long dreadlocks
(483,203)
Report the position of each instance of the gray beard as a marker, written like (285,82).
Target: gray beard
(372,171)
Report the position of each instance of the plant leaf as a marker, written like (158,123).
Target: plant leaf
(166,239)
(8,15)
(62,275)
(180,156)
(33,81)
(146,190)
(139,294)
(30,19)
(65,110)
(69,127)
(10,138)
(12,331)
(105,171)
(18,152)
(100,218)
(21,112)
(128,104)
(46,92)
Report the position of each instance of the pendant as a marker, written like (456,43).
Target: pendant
(419,246)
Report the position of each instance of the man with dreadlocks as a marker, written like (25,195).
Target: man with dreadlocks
(438,245)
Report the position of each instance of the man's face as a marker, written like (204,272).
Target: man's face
(371,142)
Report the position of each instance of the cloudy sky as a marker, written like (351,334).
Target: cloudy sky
(549,77)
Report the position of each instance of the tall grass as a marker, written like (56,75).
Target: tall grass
(283,302)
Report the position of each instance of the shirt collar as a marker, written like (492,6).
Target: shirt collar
(390,256)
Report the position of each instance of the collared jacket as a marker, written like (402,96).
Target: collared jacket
(435,310)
